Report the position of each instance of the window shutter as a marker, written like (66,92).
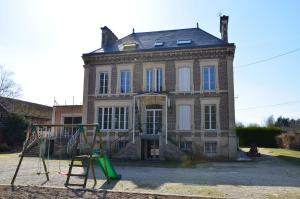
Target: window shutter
(184,117)
(184,79)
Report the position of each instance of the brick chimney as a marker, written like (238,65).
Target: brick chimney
(224,27)
(108,38)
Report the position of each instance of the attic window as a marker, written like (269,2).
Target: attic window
(158,43)
(130,46)
(184,41)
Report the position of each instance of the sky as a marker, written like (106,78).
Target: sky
(41,42)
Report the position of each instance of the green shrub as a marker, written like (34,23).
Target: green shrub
(14,130)
(261,136)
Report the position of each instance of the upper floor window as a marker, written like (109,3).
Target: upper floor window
(210,117)
(184,79)
(103,86)
(154,80)
(209,78)
(125,81)
(185,122)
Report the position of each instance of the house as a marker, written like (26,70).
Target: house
(64,114)
(33,113)
(163,94)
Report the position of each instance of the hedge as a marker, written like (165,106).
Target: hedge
(261,136)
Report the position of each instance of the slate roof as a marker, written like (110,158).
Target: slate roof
(29,109)
(146,40)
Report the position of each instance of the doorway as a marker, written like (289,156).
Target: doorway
(153,121)
(150,149)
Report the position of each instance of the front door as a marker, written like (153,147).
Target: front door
(150,149)
(153,121)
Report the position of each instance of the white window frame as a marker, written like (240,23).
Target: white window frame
(113,118)
(210,116)
(101,87)
(124,67)
(210,147)
(210,101)
(101,69)
(153,66)
(127,88)
(210,89)
(209,63)
(125,117)
(185,64)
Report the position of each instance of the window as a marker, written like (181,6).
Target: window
(210,147)
(185,117)
(209,78)
(210,117)
(154,80)
(103,86)
(122,144)
(121,117)
(184,79)
(185,41)
(158,43)
(125,81)
(105,117)
(71,120)
(185,146)
(109,115)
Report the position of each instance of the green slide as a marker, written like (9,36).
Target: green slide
(106,165)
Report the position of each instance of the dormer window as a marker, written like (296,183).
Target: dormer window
(184,41)
(158,43)
(130,46)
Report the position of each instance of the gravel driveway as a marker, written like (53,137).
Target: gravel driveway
(269,177)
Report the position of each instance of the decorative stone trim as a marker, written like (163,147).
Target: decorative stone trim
(183,54)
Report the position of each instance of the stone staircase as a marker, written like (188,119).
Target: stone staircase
(33,151)
(60,146)
(129,152)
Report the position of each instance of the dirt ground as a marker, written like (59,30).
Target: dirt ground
(268,177)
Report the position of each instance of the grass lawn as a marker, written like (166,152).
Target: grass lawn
(285,154)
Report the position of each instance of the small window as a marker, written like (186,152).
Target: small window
(210,147)
(186,146)
(158,43)
(130,46)
(122,144)
(185,41)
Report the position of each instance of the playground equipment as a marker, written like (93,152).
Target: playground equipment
(78,140)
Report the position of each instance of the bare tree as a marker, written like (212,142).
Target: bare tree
(270,122)
(8,88)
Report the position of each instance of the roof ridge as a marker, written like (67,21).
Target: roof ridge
(23,101)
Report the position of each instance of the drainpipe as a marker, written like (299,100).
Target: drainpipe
(166,125)
(133,120)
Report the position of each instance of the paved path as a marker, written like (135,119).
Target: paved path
(268,177)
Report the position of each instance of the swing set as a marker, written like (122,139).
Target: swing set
(41,134)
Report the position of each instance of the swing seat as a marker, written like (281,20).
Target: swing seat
(63,173)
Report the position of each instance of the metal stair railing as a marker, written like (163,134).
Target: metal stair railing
(177,140)
(72,141)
